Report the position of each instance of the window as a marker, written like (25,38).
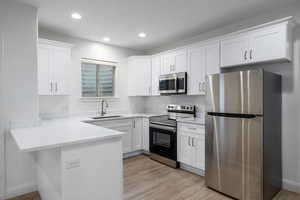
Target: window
(97,79)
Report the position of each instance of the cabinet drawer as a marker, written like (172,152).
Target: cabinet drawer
(191,128)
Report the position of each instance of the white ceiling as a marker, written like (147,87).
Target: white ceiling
(164,21)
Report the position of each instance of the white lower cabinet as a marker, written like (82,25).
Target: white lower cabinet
(146,134)
(199,146)
(191,145)
(132,140)
(122,125)
(126,138)
(186,151)
(137,134)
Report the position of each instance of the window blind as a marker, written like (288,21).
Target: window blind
(97,80)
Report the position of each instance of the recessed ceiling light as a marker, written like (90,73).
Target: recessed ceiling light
(76,16)
(106,39)
(142,35)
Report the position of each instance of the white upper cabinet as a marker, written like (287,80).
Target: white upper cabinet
(174,62)
(139,76)
(234,51)
(264,43)
(270,43)
(53,67)
(180,58)
(155,69)
(212,58)
(197,72)
(45,85)
(203,59)
(61,62)
(168,62)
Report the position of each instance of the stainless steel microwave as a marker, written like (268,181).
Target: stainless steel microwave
(173,83)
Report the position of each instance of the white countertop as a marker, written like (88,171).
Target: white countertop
(65,131)
(192,120)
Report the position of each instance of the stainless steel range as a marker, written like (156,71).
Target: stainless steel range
(163,134)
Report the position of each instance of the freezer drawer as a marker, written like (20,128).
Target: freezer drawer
(233,155)
(235,92)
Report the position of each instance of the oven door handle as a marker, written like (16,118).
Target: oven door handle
(167,128)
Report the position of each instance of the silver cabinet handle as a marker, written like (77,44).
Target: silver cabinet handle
(189,141)
(245,55)
(200,87)
(251,54)
(192,128)
(51,86)
(133,123)
(203,87)
(56,87)
(193,142)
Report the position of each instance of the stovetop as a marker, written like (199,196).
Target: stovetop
(163,120)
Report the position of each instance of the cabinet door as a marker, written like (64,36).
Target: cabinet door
(268,44)
(234,51)
(61,63)
(155,68)
(212,58)
(168,63)
(186,151)
(137,134)
(198,143)
(131,79)
(180,61)
(45,84)
(139,76)
(196,75)
(146,134)
(126,138)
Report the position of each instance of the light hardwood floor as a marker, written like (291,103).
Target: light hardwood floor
(149,180)
(145,179)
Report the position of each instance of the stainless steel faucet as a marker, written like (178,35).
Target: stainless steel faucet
(103,111)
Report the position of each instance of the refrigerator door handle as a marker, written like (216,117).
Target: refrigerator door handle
(232,115)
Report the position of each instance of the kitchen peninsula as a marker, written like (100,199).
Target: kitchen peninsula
(74,160)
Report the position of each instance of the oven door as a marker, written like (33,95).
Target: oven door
(163,141)
(168,84)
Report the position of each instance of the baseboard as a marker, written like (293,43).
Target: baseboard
(192,169)
(132,154)
(20,190)
(291,186)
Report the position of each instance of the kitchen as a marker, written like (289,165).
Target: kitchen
(135,74)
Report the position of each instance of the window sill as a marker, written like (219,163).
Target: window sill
(97,99)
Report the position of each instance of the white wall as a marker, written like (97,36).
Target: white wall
(19,103)
(72,104)
(290,97)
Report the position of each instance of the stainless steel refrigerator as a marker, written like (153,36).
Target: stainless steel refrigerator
(243,134)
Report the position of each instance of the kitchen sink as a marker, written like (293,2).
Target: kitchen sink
(105,117)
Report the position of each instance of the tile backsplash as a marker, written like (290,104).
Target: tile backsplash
(158,104)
